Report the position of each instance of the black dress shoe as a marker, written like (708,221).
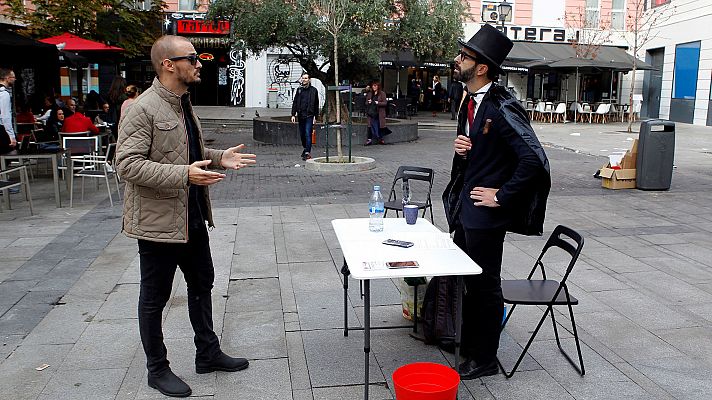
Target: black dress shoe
(223,362)
(471,370)
(169,384)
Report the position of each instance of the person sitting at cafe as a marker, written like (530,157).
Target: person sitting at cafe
(47,107)
(54,124)
(76,121)
(106,117)
(25,121)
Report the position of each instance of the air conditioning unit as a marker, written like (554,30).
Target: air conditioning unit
(490,13)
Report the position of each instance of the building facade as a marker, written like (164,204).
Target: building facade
(677,44)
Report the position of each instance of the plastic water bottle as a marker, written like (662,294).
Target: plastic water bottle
(376,210)
(406,192)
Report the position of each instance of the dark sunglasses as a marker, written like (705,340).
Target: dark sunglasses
(464,56)
(192,58)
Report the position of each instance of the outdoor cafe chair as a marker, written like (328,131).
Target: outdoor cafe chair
(101,167)
(410,174)
(547,293)
(78,147)
(613,113)
(548,109)
(602,112)
(539,111)
(582,110)
(560,112)
(23,182)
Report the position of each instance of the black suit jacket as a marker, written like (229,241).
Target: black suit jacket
(505,155)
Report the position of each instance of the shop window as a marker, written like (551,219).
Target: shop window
(592,14)
(187,5)
(687,62)
(618,14)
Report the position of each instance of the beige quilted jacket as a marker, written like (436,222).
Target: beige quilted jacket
(152,158)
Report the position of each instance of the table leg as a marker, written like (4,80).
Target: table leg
(366,331)
(458,322)
(5,192)
(346,272)
(415,308)
(55,179)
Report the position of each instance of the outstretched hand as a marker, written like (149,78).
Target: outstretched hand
(233,158)
(198,176)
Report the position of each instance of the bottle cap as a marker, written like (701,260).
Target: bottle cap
(377,187)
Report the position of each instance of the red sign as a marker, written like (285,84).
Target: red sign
(203,27)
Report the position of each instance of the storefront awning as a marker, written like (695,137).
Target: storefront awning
(406,58)
(75,43)
(563,56)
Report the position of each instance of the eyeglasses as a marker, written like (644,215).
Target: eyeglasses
(192,58)
(464,56)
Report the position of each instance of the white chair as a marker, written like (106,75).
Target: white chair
(637,106)
(613,113)
(97,167)
(79,147)
(582,110)
(7,183)
(539,111)
(560,112)
(602,111)
(549,109)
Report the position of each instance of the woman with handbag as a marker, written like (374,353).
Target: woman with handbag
(376,104)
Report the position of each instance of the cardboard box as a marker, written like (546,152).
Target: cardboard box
(623,178)
(617,178)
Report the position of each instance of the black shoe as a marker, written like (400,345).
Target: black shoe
(223,362)
(169,384)
(471,370)
(368,142)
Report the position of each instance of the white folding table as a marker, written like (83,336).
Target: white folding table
(365,258)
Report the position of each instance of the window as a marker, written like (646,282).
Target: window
(187,5)
(656,3)
(618,14)
(687,62)
(592,11)
(144,5)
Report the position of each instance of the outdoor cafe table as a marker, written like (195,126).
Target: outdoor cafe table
(365,258)
(53,156)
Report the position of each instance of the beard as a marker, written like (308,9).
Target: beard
(466,75)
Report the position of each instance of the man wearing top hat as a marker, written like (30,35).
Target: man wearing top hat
(499,182)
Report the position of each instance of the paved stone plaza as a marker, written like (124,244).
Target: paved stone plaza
(69,282)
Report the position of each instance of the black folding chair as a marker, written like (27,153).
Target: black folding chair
(547,293)
(405,173)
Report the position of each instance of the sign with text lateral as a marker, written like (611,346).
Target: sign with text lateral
(203,27)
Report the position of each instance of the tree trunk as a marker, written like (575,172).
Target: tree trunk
(631,106)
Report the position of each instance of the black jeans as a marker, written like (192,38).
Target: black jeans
(158,266)
(305,130)
(483,306)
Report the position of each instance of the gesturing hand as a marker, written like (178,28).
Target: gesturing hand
(294,119)
(198,176)
(232,158)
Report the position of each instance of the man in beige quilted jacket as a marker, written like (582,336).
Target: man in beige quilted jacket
(160,156)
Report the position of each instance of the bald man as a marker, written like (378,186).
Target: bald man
(160,156)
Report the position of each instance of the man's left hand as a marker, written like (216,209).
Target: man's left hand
(484,196)
(233,158)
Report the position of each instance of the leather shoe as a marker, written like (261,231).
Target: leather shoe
(223,362)
(472,370)
(169,384)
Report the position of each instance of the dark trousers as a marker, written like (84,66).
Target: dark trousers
(158,265)
(483,306)
(454,107)
(305,129)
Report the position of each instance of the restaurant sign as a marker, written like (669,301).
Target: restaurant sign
(204,27)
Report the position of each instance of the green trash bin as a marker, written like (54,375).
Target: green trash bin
(656,152)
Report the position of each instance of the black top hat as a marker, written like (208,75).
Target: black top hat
(490,44)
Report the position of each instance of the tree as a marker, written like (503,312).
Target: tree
(641,24)
(588,32)
(118,22)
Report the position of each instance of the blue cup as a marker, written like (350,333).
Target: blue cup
(410,211)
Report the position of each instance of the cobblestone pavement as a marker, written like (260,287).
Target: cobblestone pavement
(69,283)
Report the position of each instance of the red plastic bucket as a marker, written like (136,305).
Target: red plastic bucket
(425,381)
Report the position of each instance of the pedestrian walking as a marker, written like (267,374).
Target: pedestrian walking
(304,108)
(499,182)
(376,104)
(8,141)
(160,156)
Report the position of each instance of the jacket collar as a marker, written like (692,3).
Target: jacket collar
(172,98)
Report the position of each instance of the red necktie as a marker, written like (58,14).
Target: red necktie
(471,111)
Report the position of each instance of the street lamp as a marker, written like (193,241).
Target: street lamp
(504,10)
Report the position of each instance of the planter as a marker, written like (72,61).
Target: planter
(358,164)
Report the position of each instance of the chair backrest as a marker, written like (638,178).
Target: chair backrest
(412,173)
(613,109)
(566,239)
(548,106)
(603,108)
(586,107)
(579,108)
(79,146)
(560,108)
(539,107)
